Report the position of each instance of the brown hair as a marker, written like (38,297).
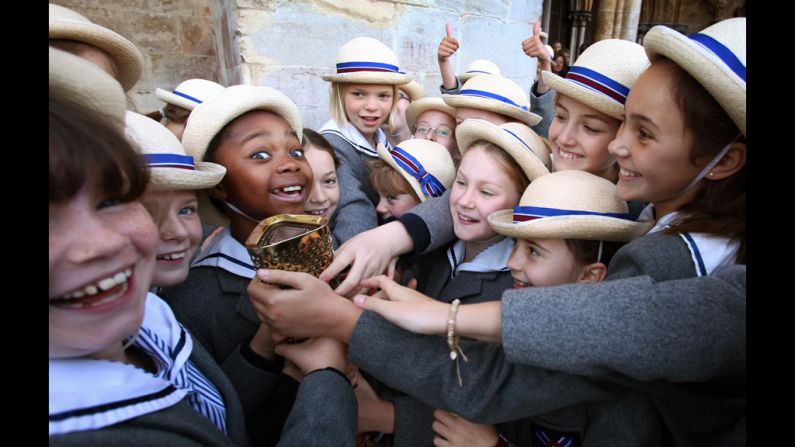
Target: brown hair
(175,114)
(318,142)
(719,207)
(86,150)
(587,251)
(387,181)
(509,166)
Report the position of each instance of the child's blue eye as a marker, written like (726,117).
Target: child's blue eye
(108,203)
(187,211)
(260,155)
(297,153)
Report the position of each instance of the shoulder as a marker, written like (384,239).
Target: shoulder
(660,256)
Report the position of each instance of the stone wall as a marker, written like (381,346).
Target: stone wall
(288,45)
(177,38)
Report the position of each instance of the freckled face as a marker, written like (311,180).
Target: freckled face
(367,106)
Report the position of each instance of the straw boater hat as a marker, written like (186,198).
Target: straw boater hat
(80,81)
(170,168)
(69,25)
(364,60)
(188,94)
(569,204)
(602,76)
(414,90)
(714,56)
(479,67)
(496,94)
(425,164)
(416,108)
(212,115)
(518,140)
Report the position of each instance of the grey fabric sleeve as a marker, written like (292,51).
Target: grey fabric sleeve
(453,91)
(324,414)
(543,105)
(493,390)
(355,212)
(679,330)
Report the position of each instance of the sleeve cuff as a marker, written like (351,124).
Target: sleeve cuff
(334,370)
(418,231)
(275,366)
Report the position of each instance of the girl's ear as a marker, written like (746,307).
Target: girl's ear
(730,164)
(218,191)
(595,272)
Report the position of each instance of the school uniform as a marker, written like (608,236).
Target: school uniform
(445,277)
(448,277)
(356,209)
(494,390)
(214,306)
(188,401)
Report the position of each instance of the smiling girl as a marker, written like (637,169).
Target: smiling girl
(363,96)
(255,133)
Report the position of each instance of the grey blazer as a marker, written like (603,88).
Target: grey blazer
(356,209)
(469,287)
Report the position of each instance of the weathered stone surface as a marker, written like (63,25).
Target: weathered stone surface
(492,8)
(182,7)
(301,84)
(80,5)
(378,12)
(198,36)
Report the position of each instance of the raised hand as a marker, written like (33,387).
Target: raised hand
(449,44)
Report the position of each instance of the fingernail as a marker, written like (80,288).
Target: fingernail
(359,300)
(263,273)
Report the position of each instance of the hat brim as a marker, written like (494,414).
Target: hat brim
(206,121)
(171,98)
(414,90)
(383,154)
(414,111)
(723,84)
(584,95)
(205,175)
(492,105)
(597,228)
(475,130)
(125,54)
(368,77)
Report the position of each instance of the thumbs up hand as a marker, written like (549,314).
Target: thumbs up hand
(448,45)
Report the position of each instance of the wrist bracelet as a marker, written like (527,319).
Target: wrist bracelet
(452,339)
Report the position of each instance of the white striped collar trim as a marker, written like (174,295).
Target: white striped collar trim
(493,259)
(88,394)
(351,134)
(228,254)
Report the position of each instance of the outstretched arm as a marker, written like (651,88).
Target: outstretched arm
(447,47)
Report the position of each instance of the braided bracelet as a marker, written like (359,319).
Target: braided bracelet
(452,339)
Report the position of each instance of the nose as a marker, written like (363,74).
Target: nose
(617,147)
(173,228)
(318,195)
(467,199)
(515,261)
(382,206)
(566,137)
(287,164)
(371,103)
(431,134)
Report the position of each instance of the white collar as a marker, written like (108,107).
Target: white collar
(87,394)
(226,253)
(351,134)
(708,252)
(493,258)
